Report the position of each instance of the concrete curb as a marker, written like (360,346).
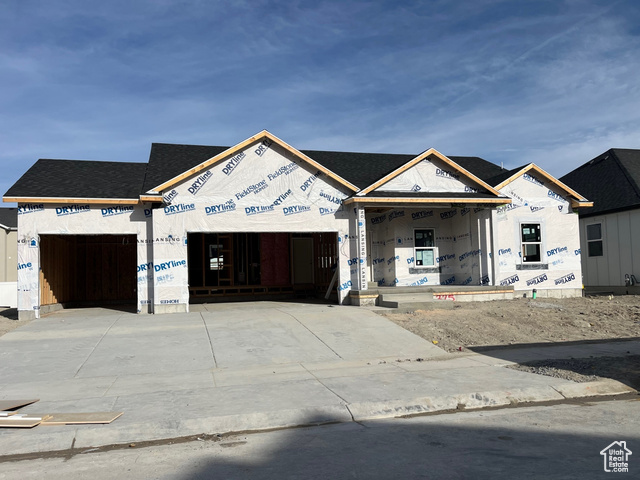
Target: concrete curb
(52,439)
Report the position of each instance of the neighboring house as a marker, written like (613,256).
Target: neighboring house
(610,230)
(263,218)
(8,257)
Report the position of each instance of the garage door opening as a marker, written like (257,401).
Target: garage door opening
(254,266)
(88,270)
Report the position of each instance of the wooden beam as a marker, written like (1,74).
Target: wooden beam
(548,177)
(75,201)
(499,201)
(418,159)
(242,145)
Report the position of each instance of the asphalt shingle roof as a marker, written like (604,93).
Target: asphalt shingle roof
(80,179)
(9,217)
(97,179)
(167,161)
(611,181)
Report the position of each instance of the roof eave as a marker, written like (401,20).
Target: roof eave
(96,201)
(418,159)
(240,146)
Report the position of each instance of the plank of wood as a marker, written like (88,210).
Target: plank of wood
(11,404)
(19,423)
(81,418)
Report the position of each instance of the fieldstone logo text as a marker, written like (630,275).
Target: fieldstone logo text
(72,210)
(255,188)
(286,170)
(111,211)
(616,457)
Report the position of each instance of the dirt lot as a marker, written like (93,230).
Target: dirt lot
(9,320)
(454,326)
(457,326)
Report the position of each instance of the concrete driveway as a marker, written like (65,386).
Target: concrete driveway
(237,367)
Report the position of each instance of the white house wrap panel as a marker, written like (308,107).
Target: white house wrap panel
(537,202)
(262,188)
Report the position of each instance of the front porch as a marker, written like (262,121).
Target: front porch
(413,297)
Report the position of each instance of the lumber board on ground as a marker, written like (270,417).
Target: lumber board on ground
(81,418)
(11,404)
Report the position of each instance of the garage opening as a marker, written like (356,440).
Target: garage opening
(239,266)
(88,270)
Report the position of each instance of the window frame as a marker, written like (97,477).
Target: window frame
(523,243)
(416,248)
(591,241)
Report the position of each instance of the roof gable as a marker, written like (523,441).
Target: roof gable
(262,140)
(431,155)
(533,170)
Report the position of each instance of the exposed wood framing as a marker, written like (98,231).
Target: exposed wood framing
(99,201)
(399,201)
(532,166)
(418,159)
(242,145)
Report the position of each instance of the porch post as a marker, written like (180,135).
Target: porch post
(362,250)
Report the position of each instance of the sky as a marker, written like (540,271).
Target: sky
(551,82)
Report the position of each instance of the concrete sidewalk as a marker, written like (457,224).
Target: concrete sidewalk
(237,367)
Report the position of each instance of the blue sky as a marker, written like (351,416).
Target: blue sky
(550,82)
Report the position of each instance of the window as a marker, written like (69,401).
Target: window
(531,242)
(425,247)
(594,240)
